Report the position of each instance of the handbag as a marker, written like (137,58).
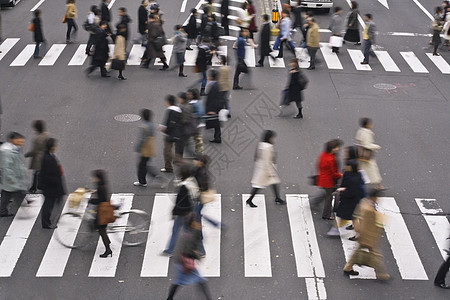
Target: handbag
(187,263)
(242,67)
(207,196)
(212,121)
(159,41)
(223,115)
(312,180)
(336,41)
(64,19)
(364,154)
(117,64)
(31,27)
(105,213)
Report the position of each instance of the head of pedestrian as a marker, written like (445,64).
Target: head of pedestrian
(182,98)
(367,17)
(38,126)
(122,11)
(293,65)
(212,75)
(106,1)
(268,136)
(16,139)
(51,145)
(152,17)
(265,18)
(285,13)
(193,93)
(93,8)
(70,1)
(103,25)
(244,5)
(37,13)
(366,123)
(178,27)
(201,160)
(244,32)
(144,3)
(194,12)
(170,100)
(338,10)
(331,147)
(354,5)
(185,172)
(351,166)
(146,114)
(99,176)
(310,20)
(223,60)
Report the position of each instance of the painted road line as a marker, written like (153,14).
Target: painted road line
(24,56)
(424,9)
(111,3)
(17,235)
(439,225)
(250,59)
(357,57)
(222,50)
(79,57)
(315,289)
(210,265)
(101,267)
(405,253)
(168,49)
(440,62)
(134,59)
(277,62)
(256,239)
(302,57)
(183,6)
(304,239)
(7,45)
(154,264)
(52,55)
(414,62)
(331,58)
(191,56)
(56,256)
(387,61)
(37,5)
(197,7)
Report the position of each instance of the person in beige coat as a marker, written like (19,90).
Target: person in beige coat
(119,49)
(365,138)
(224,81)
(265,172)
(312,41)
(36,153)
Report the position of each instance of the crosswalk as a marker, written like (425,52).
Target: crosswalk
(332,60)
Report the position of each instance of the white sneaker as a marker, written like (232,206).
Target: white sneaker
(137,183)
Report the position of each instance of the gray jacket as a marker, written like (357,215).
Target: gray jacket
(371,31)
(336,24)
(179,42)
(13,171)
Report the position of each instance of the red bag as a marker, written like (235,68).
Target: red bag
(187,263)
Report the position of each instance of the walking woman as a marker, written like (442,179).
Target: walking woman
(437,26)
(293,93)
(37,151)
(101,194)
(186,254)
(37,32)
(265,172)
(71,14)
(120,49)
(352,32)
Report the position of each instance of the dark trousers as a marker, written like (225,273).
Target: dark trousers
(97,64)
(143,170)
(225,25)
(36,49)
(367,50)
(16,196)
(327,205)
(47,208)
(217,133)
(104,236)
(312,54)
(168,155)
(286,43)
(442,272)
(275,191)
(237,72)
(34,185)
(70,24)
(90,43)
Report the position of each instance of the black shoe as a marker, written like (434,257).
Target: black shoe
(364,63)
(237,87)
(106,75)
(165,67)
(144,65)
(280,201)
(311,68)
(6,215)
(189,48)
(353,238)
(182,75)
(298,117)
(442,285)
(122,78)
(250,203)
(259,65)
(349,227)
(50,227)
(351,272)
(215,141)
(106,254)
(329,218)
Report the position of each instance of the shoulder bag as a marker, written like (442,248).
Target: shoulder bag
(31,27)
(117,64)
(105,213)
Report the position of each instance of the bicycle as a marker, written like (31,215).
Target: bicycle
(76,227)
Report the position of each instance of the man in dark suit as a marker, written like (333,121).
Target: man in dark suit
(101,52)
(214,103)
(264,41)
(225,11)
(143,21)
(106,14)
(51,183)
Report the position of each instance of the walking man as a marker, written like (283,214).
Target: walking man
(142,22)
(214,103)
(225,11)
(241,66)
(312,41)
(264,41)
(369,38)
(101,52)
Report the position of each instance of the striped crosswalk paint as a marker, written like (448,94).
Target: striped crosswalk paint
(302,57)
(222,50)
(134,59)
(405,253)
(7,45)
(79,57)
(277,62)
(440,63)
(24,56)
(250,59)
(439,224)
(386,61)
(52,55)
(414,63)
(17,235)
(357,57)
(168,49)
(256,239)
(331,58)
(190,56)
(315,288)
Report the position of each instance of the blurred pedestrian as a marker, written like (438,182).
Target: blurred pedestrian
(241,66)
(224,80)
(368,223)
(171,129)
(14,179)
(214,103)
(105,13)
(352,32)
(156,40)
(179,47)
(0,26)
(298,22)
(224,12)
(93,22)
(204,57)
(312,41)
(369,38)
(51,182)
(186,254)
(265,172)
(142,22)
(125,20)
(71,14)
(264,41)
(437,26)
(446,31)
(252,28)
(119,55)
(198,110)
(100,195)
(285,34)
(38,35)
(101,51)
(294,90)
(192,29)
(439,280)
(187,194)
(336,26)
(38,148)
(188,125)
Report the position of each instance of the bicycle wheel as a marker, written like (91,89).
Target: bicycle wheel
(136,228)
(73,232)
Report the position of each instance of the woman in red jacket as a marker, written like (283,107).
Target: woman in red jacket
(328,174)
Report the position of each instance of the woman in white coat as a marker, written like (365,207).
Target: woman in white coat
(365,138)
(265,172)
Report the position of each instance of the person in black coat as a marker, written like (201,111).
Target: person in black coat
(224,12)
(51,183)
(352,187)
(37,33)
(106,14)
(294,90)
(264,41)
(214,103)
(143,21)
(101,52)
(192,29)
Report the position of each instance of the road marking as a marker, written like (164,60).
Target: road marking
(424,9)
(277,62)
(439,225)
(302,56)
(17,235)
(316,289)
(405,253)
(357,57)
(154,264)
(24,56)
(56,256)
(414,62)
(256,239)
(37,5)
(250,59)
(387,61)
(134,59)
(197,7)
(52,55)
(102,267)
(440,62)
(191,56)
(210,265)
(331,58)
(7,45)
(79,57)
(168,49)
(183,6)
(304,240)
(111,3)
(222,50)
(384,3)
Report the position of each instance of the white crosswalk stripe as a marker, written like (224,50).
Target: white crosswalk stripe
(52,55)
(440,63)
(415,64)
(134,59)
(79,57)
(24,56)
(6,46)
(331,59)
(357,57)
(387,61)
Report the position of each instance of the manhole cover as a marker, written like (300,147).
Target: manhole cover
(127,118)
(384,86)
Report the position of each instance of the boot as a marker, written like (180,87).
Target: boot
(172,290)
(180,72)
(108,252)
(164,67)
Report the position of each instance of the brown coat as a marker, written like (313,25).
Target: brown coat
(312,36)
(224,78)
(119,48)
(154,30)
(368,224)
(36,153)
